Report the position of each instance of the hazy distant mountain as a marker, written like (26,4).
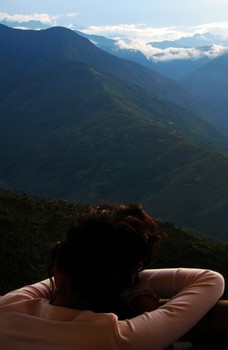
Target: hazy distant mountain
(175,68)
(111,46)
(178,69)
(210,83)
(192,60)
(196,40)
(79,123)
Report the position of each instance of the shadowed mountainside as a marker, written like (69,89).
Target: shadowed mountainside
(78,123)
(210,83)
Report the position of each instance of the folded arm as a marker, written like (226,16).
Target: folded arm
(192,293)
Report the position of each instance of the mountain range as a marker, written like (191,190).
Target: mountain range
(78,123)
(204,73)
(175,58)
(198,61)
(210,84)
(198,50)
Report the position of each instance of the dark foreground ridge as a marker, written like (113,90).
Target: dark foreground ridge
(29,225)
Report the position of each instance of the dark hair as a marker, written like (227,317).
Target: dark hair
(105,248)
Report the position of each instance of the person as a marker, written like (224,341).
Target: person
(101,295)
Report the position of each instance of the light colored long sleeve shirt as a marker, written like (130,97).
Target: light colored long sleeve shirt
(29,322)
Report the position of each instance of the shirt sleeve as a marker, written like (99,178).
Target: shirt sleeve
(192,292)
(38,290)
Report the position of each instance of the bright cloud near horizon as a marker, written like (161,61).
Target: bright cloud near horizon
(132,23)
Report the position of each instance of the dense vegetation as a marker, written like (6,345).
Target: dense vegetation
(30,225)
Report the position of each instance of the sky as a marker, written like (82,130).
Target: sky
(133,22)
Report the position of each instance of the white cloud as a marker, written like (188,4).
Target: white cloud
(72,14)
(217,50)
(185,53)
(137,37)
(171,53)
(217,28)
(148,33)
(189,53)
(42,17)
(133,31)
(139,45)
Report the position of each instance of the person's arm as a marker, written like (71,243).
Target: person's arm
(37,290)
(192,293)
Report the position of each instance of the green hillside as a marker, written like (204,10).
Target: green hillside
(210,83)
(80,124)
(30,225)
(97,143)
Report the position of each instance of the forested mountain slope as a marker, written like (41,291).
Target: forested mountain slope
(78,123)
(210,83)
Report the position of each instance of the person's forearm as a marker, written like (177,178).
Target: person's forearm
(41,289)
(197,292)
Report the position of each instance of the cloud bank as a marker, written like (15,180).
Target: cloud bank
(136,31)
(42,17)
(219,29)
(139,36)
(149,33)
(172,53)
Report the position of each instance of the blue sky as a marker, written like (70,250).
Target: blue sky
(103,12)
(132,22)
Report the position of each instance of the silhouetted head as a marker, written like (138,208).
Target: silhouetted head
(105,248)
